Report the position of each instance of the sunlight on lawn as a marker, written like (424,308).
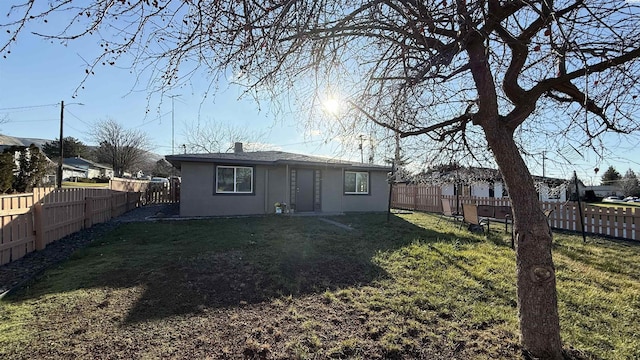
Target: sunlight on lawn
(417,287)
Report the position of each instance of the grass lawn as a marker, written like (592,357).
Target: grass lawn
(300,288)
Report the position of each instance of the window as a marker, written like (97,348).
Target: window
(356,182)
(234,179)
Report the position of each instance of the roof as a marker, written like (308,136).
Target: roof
(73,168)
(475,174)
(79,162)
(271,158)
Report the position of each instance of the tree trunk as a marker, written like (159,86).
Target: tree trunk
(536,281)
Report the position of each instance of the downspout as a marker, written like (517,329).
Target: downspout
(266,190)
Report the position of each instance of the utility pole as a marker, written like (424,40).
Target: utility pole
(360,147)
(61,143)
(544,153)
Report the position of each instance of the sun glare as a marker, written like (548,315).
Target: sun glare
(331,105)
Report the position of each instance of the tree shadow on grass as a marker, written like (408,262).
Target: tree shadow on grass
(305,257)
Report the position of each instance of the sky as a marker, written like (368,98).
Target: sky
(37,75)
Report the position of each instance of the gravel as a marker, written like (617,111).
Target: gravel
(21,271)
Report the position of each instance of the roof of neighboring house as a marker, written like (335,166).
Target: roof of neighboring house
(79,162)
(475,174)
(270,158)
(73,168)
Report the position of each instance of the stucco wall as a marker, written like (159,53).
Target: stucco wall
(271,185)
(198,196)
(376,200)
(335,200)
(277,187)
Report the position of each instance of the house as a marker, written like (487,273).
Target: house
(602,190)
(249,183)
(69,172)
(90,168)
(465,181)
(487,182)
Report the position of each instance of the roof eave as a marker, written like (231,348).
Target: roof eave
(177,161)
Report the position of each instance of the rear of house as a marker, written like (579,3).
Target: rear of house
(251,183)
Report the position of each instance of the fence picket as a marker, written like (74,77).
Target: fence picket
(622,222)
(29,222)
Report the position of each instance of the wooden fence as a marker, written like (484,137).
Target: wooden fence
(620,222)
(152,193)
(29,222)
(421,198)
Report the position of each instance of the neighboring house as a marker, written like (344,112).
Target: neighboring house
(92,169)
(551,189)
(602,190)
(472,181)
(485,182)
(249,183)
(69,171)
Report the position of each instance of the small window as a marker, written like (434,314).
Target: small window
(356,182)
(234,179)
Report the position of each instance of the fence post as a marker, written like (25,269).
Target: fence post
(113,201)
(88,212)
(38,226)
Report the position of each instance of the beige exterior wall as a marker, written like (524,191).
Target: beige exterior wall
(271,185)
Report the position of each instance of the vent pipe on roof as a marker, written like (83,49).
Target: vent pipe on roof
(237,147)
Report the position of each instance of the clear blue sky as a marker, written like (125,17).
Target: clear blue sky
(39,73)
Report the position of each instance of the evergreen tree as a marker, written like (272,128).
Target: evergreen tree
(630,184)
(610,177)
(31,169)
(7,167)
(72,148)
(162,168)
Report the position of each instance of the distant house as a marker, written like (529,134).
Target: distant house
(91,169)
(486,182)
(248,183)
(471,181)
(69,171)
(552,189)
(602,190)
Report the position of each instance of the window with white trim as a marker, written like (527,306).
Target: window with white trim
(356,182)
(234,180)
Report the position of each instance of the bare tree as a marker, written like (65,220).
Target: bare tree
(123,149)
(215,137)
(478,76)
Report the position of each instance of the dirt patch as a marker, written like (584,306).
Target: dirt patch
(302,328)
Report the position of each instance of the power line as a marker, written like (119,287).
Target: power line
(26,121)
(300,143)
(77,118)
(28,107)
